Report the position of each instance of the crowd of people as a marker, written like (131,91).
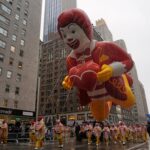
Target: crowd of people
(99,132)
(93,132)
(111,133)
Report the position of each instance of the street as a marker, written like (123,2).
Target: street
(72,145)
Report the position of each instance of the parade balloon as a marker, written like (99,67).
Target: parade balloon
(98,69)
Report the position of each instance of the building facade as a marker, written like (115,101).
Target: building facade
(19,53)
(53,8)
(103,30)
(140,110)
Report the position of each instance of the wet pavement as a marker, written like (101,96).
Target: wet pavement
(73,145)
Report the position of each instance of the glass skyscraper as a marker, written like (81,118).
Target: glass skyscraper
(52,10)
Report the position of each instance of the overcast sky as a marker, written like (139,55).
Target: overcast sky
(128,20)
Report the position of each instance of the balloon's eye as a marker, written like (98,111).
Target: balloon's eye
(73,31)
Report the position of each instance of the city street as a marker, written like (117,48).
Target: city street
(76,146)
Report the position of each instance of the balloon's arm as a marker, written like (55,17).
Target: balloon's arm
(105,73)
(121,61)
(118,62)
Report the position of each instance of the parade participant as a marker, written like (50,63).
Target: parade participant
(144,133)
(118,133)
(123,132)
(82,132)
(134,133)
(138,132)
(67,134)
(114,133)
(4,131)
(39,132)
(59,129)
(97,130)
(106,134)
(54,133)
(32,132)
(89,132)
(130,133)
(97,69)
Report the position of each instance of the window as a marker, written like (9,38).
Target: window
(20,65)
(9,74)
(22,42)
(16,26)
(27,4)
(21,53)
(18,77)
(17,17)
(5,9)
(15,104)
(5,102)
(18,7)
(1,57)
(10,1)
(23,32)
(0,71)
(26,13)
(2,44)
(24,22)
(4,19)
(12,49)
(17,90)
(14,37)
(11,61)
(7,88)
(3,31)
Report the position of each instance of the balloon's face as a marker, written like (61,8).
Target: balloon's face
(74,36)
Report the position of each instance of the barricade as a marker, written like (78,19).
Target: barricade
(18,137)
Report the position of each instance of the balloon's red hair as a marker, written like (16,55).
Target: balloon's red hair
(77,16)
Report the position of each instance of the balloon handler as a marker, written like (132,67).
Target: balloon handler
(59,129)
(97,68)
(39,132)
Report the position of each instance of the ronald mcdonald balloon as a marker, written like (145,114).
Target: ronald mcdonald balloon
(97,69)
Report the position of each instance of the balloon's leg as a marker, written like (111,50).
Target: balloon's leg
(130,101)
(100,109)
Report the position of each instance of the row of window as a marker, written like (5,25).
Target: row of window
(19,1)
(9,75)
(12,48)
(2,44)
(5,9)
(8,11)
(4,20)
(4,31)
(11,61)
(8,88)
(5,103)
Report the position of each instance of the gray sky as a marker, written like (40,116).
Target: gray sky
(128,20)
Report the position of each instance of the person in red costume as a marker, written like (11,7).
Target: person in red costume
(97,69)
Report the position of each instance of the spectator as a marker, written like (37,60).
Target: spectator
(77,130)
(22,127)
(148,128)
(1,134)
(4,132)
